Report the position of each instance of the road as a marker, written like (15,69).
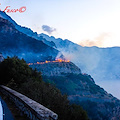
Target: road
(4,110)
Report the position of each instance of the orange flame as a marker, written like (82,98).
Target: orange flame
(30,63)
(57,60)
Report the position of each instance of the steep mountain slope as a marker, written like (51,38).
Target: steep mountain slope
(13,42)
(25,30)
(102,63)
(81,89)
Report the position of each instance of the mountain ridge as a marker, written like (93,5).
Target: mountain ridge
(25,30)
(14,43)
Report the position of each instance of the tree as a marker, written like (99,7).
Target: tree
(14,69)
(16,74)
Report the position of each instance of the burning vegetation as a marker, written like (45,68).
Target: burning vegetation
(56,61)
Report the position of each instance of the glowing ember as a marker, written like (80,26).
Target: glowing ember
(57,61)
(30,63)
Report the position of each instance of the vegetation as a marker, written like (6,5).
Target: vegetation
(16,74)
(71,83)
(90,106)
(79,84)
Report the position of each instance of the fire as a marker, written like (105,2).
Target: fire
(30,63)
(60,60)
(56,61)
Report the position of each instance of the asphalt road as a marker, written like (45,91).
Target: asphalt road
(6,112)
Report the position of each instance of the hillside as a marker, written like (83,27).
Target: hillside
(101,63)
(16,74)
(81,89)
(16,43)
(56,68)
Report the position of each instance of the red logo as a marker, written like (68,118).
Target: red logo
(9,10)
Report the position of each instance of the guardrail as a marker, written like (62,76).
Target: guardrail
(31,108)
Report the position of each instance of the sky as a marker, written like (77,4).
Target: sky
(85,22)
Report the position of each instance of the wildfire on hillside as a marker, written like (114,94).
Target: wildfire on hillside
(56,61)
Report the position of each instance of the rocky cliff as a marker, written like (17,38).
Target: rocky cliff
(81,89)
(56,68)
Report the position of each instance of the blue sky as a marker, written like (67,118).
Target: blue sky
(86,22)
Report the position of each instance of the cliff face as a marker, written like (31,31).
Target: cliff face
(81,89)
(57,68)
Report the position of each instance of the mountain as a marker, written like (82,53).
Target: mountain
(42,51)
(15,43)
(102,63)
(81,89)
(25,30)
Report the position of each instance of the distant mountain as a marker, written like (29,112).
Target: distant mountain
(15,43)
(102,63)
(81,89)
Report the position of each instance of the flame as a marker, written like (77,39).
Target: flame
(60,60)
(30,63)
(56,61)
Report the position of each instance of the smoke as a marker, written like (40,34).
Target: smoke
(48,29)
(86,58)
(103,64)
(98,41)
